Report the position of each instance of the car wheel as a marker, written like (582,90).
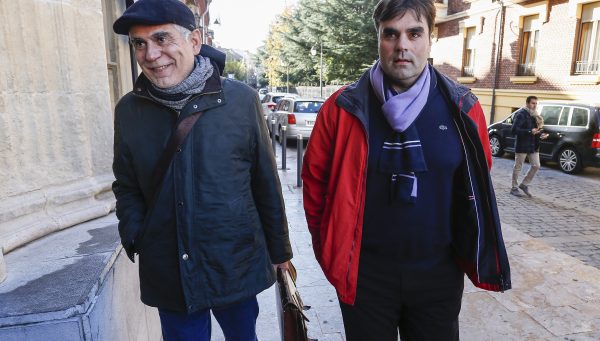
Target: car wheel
(569,160)
(496,146)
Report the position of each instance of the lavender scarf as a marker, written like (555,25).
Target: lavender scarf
(402,154)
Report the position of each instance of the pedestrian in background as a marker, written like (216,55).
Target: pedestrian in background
(527,130)
(208,233)
(397,190)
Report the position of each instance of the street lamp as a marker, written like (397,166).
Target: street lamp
(285,64)
(313,52)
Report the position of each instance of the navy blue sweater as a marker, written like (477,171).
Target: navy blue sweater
(416,235)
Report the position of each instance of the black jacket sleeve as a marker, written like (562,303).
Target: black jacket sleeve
(131,206)
(266,190)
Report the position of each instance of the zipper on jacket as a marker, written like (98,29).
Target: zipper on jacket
(473,193)
(361,207)
(470,140)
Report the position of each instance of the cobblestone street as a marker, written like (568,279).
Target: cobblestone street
(564,211)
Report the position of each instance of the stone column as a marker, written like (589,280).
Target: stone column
(56,120)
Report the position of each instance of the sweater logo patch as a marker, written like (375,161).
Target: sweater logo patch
(443,127)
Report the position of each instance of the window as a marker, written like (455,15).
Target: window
(279,106)
(551,114)
(109,11)
(579,117)
(588,51)
(529,42)
(307,107)
(285,105)
(469,53)
(564,117)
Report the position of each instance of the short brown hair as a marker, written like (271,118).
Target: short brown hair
(389,9)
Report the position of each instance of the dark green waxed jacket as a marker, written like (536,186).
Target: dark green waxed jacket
(218,222)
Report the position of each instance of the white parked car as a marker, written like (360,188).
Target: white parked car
(298,114)
(270,101)
(261,93)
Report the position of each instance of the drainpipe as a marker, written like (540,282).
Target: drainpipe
(502,12)
(133,62)
(203,22)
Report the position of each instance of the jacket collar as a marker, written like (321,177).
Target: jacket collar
(210,97)
(356,98)
(213,83)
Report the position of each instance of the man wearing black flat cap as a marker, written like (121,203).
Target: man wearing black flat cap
(198,195)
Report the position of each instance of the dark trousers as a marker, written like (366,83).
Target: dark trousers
(238,322)
(419,304)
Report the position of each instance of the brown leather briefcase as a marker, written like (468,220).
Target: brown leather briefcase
(290,309)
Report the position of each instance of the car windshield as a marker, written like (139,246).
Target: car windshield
(307,106)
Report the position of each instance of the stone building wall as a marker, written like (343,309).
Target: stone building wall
(55,118)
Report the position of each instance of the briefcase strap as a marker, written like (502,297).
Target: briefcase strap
(183,129)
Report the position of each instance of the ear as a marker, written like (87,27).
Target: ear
(196,41)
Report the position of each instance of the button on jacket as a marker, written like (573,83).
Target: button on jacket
(218,221)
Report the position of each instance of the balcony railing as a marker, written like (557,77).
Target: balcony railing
(591,67)
(526,70)
(468,71)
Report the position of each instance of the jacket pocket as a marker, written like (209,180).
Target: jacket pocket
(464,227)
(225,226)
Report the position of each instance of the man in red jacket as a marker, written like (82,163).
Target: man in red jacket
(397,192)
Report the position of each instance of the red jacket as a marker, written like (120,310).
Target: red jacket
(335,171)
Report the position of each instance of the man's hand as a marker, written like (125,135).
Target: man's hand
(535,131)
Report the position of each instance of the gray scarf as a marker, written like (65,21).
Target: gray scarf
(177,96)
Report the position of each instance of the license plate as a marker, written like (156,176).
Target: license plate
(310,123)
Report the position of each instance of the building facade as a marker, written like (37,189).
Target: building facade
(60,75)
(508,50)
(62,70)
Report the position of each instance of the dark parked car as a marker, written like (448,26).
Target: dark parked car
(573,134)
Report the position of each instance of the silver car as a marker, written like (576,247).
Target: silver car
(297,114)
(270,100)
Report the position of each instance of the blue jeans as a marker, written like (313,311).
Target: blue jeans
(237,320)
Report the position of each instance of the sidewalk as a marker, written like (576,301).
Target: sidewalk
(554,296)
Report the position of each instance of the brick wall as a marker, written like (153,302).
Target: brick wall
(456,6)
(554,56)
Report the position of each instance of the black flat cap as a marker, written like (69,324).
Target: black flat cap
(155,12)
